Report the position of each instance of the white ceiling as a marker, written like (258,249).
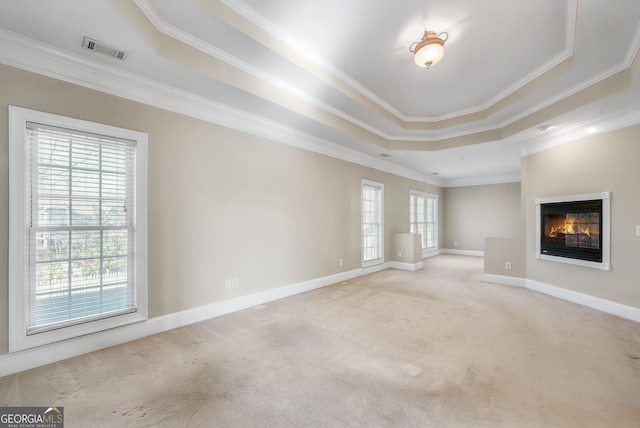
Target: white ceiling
(340,74)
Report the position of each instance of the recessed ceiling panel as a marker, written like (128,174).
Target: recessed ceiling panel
(486,55)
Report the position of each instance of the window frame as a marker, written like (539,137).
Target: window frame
(19,261)
(426,250)
(380,222)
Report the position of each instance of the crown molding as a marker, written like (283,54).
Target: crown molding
(611,122)
(481,181)
(31,55)
(174,32)
(245,11)
(634,48)
(260,21)
(463,130)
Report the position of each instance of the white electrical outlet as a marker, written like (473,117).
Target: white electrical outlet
(507,265)
(234,283)
(455,243)
(227,284)
(399,253)
(637,230)
(340,262)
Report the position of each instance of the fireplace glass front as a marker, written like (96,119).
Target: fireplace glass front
(572,229)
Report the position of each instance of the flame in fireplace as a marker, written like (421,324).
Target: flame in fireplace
(569,227)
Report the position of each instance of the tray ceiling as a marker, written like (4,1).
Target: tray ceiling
(340,73)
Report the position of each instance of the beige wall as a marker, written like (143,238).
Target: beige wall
(500,251)
(608,162)
(222,204)
(474,213)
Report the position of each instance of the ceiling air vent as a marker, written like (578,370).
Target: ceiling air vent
(97,46)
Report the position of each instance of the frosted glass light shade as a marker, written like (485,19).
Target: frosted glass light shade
(429,53)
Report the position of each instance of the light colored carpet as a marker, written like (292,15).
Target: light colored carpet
(437,347)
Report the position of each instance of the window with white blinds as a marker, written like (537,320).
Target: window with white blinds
(423,215)
(79,228)
(81,214)
(372,223)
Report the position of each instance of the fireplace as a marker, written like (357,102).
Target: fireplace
(574,229)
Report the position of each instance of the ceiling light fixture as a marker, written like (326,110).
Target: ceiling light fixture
(428,51)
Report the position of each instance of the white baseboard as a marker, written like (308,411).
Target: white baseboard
(597,303)
(504,280)
(431,253)
(462,252)
(406,266)
(32,358)
(36,357)
(602,305)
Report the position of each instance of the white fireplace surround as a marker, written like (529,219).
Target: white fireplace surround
(606,230)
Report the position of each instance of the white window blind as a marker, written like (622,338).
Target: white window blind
(81,227)
(372,244)
(423,211)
